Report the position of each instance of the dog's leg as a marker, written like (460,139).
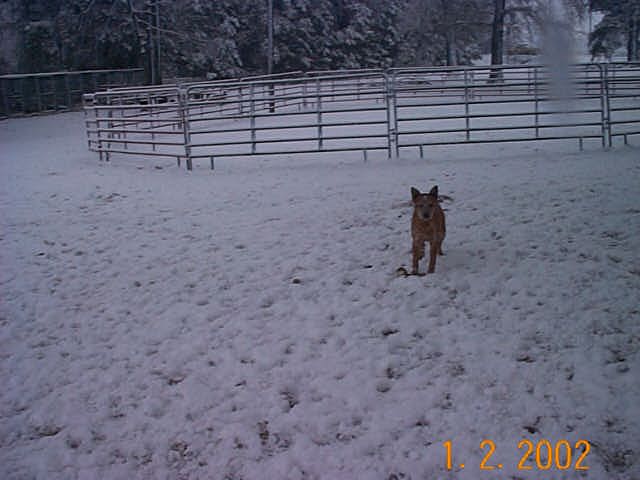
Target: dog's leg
(440,252)
(418,254)
(433,251)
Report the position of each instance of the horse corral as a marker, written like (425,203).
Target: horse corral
(366,110)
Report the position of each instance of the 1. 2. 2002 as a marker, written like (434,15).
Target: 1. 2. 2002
(542,455)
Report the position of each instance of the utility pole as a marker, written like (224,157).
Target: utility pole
(152,54)
(270,37)
(153,36)
(272,104)
(157,42)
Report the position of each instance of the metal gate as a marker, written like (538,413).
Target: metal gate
(366,111)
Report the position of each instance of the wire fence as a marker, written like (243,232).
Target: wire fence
(366,110)
(25,94)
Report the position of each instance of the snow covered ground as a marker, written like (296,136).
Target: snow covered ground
(248,323)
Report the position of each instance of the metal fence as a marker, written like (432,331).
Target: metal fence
(23,94)
(366,111)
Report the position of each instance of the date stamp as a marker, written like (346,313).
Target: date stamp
(542,455)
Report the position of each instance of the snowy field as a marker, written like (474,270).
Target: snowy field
(248,323)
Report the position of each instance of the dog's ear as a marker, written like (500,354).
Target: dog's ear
(434,191)
(414,193)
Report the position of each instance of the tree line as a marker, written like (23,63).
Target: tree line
(228,38)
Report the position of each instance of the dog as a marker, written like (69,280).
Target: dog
(427,225)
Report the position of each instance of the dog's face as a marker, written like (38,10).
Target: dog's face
(425,204)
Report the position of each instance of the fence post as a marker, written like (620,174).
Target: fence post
(609,93)
(536,100)
(394,103)
(272,100)
(24,95)
(183,98)
(319,112)
(36,81)
(4,91)
(99,134)
(252,116)
(605,106)
(152,124)
(304,93)
(109,126)
(466,104)
(87,121)
(67,89)
(392,123)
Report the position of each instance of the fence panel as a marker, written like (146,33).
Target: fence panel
(477,105)
(319,114)
(367,111)
(623,100)
(50,92)
(138,122)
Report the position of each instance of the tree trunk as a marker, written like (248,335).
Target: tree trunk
(497,37)
(140,58)
(632,39)
(449,33)
(156,42)
(450,44)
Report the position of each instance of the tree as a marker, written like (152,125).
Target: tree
(497,32)
(300,40)
(201,37)
(443,32)
(366,35)
(533,15)
(39,45)
(98,34)
(620,25)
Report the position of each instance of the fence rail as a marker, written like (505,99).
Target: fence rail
(23,94)
(366,110)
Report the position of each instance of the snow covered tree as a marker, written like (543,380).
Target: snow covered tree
(619,26)
(200,37)
(39,45)
(367,36)
(301,34)
(40,51)
(98,34)
(353,36)
(228,38)
(441,32)
(534,17)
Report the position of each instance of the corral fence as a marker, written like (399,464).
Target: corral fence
(24,94)
(367,110)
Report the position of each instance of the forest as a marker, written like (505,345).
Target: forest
(230,38)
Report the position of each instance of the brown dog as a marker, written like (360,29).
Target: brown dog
(427,225)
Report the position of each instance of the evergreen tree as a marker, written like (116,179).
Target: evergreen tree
(620,26)
(98,34)
(369,37)
(39,45)
(228,38)
(444,32)
(301,34)
(200,37)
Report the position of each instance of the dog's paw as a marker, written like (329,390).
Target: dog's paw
(402,272)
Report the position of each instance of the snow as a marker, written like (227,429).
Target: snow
(248,323)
